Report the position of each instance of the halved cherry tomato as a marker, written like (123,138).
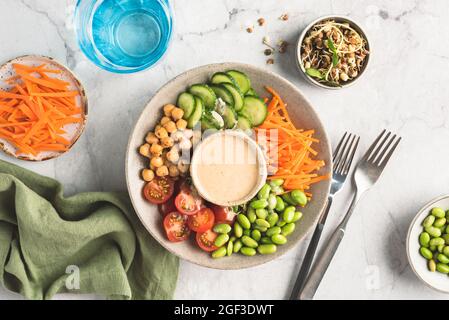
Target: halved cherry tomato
(202,220)
(206,240)
(158,190)
(223,214)
(175,225)
(188,201)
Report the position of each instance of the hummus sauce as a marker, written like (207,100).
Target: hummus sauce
(226,168)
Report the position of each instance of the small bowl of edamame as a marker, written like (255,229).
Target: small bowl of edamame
(428,244)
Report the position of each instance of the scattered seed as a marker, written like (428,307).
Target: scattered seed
(250,29)
(261,21)
(270,61)
(284,17)
(282,46)
(268,52)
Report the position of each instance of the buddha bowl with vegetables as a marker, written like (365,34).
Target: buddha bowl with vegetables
(228,100)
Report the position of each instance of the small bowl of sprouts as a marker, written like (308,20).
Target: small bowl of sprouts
(332,52)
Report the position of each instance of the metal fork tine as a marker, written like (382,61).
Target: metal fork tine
(371,148)
(348,163)
(379,148)
(345,154)
(384,150)
(340,153)
(337,150)
(388,155)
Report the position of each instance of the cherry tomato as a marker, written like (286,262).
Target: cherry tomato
(158,190)
(175,225)
(206,240)
(188,201)
(223,214)
(202,220)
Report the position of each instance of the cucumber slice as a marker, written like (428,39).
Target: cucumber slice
(229,117)
(205,93)
(186,102)
(243,123)
(255,110)
(221,77)
(196,114)
(252,92)
(223,93)
(242,80)
(236,94)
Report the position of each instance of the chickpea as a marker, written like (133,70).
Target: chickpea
(168,109)
(170,126)
(151,138)
(161,133)
(165,120)
(156,162)
(167,142)
(145,150)
(156,149)
(162,171)
(147,174)
(181,124)
(173,155)
(183,167)
(173,171)
(177,113)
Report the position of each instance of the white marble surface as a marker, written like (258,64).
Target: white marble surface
(405,90)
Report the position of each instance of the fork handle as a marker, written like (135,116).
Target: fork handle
(310,254)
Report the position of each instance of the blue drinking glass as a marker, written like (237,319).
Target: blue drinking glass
(123,36)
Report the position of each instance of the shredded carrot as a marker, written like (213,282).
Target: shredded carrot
(290,152)
(35,110)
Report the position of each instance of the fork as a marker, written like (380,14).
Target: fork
(366,174)
(342,159)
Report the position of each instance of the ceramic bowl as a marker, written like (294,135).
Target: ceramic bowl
(73,131)
(417,262)
(303,115)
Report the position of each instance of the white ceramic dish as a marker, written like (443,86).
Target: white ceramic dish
(435,280)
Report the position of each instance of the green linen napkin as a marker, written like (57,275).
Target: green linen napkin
(93,240)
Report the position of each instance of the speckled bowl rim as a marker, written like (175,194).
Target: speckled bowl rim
(84,106)
(268,258)
(260,162)
(419,215)
(356,25)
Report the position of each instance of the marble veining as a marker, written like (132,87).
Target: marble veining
(404,90)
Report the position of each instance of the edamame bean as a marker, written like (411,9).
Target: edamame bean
(288,214)
(249,242)
(273,230)
(299,197)
(262,223)
(219,253)
(267,248)
(442,258)
(259,204)
(443,268)
(434,232)
(424,239)
(222,228)
(279,239)
(432,265)
(287,198)
(237,246)
(238,230)
(440,222)
(264,192)
(438,212)
(261,229)
(256,235)
(251,214)
(247,251)
(440,248)
(221,240)
(276,182)
(247,232)
(280,204)
(272,219)
(297,216)
(261,213)
(446,251)
(288,228)
(281,223)
(426,253)
(428,222)
(265,240)
(230,248)
(272,201)
(436,241)
(243,220)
